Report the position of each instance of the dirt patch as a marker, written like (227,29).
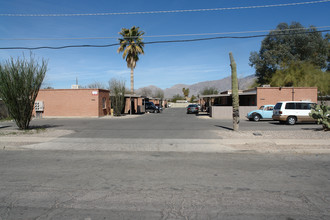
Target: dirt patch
(47,132)
(274,148)
(298,134)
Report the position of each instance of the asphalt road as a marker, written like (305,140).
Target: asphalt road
(93,184)
(113,185)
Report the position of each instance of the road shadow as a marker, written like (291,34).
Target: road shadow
(312,129)
(202,115)
(223,127)
(298,123)
(6,126)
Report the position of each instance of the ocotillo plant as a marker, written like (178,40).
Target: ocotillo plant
(234,89)
(20,81)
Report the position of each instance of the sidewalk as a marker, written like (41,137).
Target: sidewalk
(232,144)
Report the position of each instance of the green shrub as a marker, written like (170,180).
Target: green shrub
(322,114)
(117,92)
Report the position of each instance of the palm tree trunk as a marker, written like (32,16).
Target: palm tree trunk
(132,81)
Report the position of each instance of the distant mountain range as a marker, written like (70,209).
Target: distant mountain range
(195,89)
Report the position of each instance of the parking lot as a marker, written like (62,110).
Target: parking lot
(171,123)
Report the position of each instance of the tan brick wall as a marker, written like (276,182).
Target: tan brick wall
(141,107)
(104,110)
(155,101)
(272,95)
(127,105)
(138,108)
(73,102)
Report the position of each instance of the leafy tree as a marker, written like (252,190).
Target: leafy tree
(327,39)
(117,92)
(159,93)
(303,74)
(177,97)
(289,43)
(20,81)
(145,91)
(96,85)
(209,91)
(185,92)
(132,46)
(193,98)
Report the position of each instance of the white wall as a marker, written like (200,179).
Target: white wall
(179,105)
(226,112)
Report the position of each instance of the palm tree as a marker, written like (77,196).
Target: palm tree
(132,46)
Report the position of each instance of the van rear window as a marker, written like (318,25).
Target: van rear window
(278,106)
(306,106)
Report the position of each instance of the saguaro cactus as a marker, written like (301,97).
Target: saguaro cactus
(234,89)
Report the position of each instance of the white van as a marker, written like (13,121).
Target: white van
(293,111)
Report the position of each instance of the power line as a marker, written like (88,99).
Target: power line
(157,36)
(163,12)
(153,42)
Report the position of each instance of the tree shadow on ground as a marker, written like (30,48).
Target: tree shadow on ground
(312,129)
(33,127)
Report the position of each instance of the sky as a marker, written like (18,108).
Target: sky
(162,65)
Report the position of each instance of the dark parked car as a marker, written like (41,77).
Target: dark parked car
(192,108)
(159,108)
(150,107)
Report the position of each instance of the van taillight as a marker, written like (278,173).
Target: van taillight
(280,112)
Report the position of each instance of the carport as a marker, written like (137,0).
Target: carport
(137,103)
(220,106)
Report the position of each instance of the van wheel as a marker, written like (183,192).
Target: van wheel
(291,120)
(256,117)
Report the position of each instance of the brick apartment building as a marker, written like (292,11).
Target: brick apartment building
(73,103)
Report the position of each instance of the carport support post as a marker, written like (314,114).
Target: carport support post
(130,101)
(234,89)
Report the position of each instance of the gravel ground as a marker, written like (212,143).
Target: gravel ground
(49,132)
(302,134)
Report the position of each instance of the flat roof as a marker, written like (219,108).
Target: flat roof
(106,90)
(253,92)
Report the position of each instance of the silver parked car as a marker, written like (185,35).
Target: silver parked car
(192,108)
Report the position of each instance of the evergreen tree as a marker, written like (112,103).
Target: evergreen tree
(286,44)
